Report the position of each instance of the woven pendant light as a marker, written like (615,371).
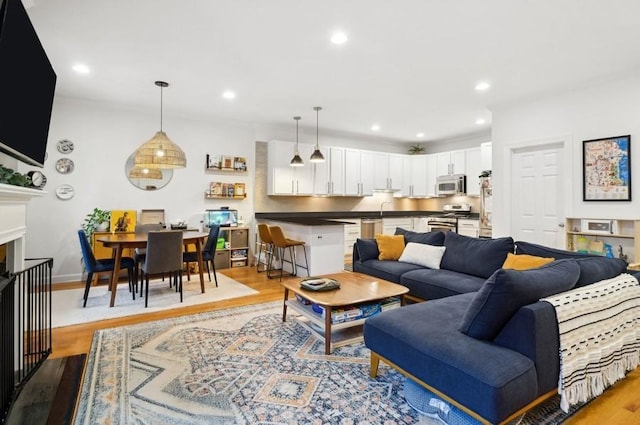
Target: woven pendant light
(145,173)
(160,151)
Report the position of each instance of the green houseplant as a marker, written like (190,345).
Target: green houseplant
(96,220)
(8,176)
(416,149)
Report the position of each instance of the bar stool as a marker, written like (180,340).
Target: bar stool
(282,243)
(266,244)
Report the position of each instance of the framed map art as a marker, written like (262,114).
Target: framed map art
(607,169)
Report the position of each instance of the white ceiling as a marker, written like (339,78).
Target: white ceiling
(409,65)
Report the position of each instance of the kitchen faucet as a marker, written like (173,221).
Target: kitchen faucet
(382,206)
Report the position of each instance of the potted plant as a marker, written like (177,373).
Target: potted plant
(416,149)
(97,220)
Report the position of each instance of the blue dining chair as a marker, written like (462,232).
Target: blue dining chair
(208,253)
(96,266)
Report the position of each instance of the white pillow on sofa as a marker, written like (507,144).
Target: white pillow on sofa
(423,255)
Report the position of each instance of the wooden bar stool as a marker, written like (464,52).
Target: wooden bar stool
(282,243)
(266,244)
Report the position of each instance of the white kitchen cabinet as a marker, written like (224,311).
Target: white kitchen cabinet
(468,227)
(329,175)
(351,234)
(358,172)
(389,224)
(432,173)
(485,155)
(284,179)
(414,176)
(452,162)
(388,171)
(474,168)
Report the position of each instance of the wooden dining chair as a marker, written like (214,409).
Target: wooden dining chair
(208,254)
(283,244)
(164,255)
(96,266)
(266,245)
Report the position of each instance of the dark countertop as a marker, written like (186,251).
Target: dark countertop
(321,218)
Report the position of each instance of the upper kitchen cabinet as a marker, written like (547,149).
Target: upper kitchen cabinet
(453,162)
(485,155)
(415,171)
(358,172)
(330,175)
(283,179)
(388,171)
(474,168)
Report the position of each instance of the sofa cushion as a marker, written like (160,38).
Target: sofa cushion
(367,249)
(431,238)
(422,254)
(387,270)
(477,257)
(508,290)
(390,246)
(593,268)
(525,262)
(423,340)
(430,284)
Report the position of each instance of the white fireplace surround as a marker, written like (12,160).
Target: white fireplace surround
(13,222)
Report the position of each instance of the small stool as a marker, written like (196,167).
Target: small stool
(266,244)
(282,243)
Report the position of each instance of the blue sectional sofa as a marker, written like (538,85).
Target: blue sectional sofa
(482,341)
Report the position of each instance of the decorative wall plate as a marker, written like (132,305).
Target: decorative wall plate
(64,165)
(65,146)
(65,191)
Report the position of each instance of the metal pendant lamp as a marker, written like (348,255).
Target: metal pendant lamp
(297,161)
(145,173)
(317,156)
(160,151)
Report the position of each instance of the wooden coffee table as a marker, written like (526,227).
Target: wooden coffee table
(355,288)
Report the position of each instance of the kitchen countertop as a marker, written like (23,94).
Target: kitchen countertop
(320,218)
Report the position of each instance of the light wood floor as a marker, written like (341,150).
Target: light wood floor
(619,405)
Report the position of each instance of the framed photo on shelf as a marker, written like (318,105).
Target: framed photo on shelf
(606,169)
(240,163)
(214,162)
(227,163)
(123,220)
(215,189)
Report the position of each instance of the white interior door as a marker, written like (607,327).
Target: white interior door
(537,198)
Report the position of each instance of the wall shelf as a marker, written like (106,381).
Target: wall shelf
(622,234)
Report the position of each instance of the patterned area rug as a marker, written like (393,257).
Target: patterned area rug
(236,366)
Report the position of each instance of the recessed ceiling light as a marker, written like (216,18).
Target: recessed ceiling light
(81,68)
(375,127)
(480,121)
(420,135)
(482,86)
(229,95)
(339,38)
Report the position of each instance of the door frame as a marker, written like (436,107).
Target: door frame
(564,143)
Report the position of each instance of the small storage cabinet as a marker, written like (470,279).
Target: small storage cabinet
(593,235)
(468,227)
(235,248)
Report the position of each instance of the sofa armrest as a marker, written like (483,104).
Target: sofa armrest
(533,332)
(356,255)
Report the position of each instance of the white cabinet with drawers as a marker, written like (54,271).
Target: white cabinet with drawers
(469,227)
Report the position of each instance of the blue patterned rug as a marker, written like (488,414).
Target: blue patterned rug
(238,366)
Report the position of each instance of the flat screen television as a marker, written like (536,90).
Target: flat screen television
(27,86)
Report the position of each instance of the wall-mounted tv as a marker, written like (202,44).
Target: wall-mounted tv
(27,86)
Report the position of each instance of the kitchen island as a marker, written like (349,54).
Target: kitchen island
(324,240)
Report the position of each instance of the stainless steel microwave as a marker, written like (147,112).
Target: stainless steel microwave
(454,184)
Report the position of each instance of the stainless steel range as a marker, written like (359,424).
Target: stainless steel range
(448,220)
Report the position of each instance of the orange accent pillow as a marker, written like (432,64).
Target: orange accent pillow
(390,246)
(525,262)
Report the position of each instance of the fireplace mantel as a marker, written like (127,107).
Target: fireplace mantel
(13,226)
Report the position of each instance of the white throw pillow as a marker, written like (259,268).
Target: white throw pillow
(422,255)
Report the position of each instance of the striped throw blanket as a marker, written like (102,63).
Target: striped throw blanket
(599,327)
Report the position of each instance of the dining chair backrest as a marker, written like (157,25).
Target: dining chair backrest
(164,252)
(265,234)
(212,239)
(87,252)
(146,228)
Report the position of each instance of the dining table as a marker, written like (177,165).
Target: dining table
(121,241)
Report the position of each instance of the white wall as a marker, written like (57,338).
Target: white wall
(608,109)
(104,137)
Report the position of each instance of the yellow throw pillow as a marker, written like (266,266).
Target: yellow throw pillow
(390,246)
(525,262)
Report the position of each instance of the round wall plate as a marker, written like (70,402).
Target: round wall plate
(65,146)
(64,165)
(65,191)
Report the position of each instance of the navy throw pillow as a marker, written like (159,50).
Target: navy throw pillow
(477,257)
(367,249)
(593,268)
(502,295)
(429,238)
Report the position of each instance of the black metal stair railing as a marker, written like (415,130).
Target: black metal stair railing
(25,327)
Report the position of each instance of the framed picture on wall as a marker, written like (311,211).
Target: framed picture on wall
(606,169)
